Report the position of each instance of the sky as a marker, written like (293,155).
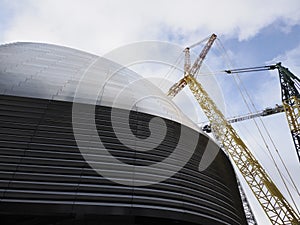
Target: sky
(253,33)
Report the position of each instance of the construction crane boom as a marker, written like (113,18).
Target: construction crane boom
(176,88)
(251,69)
(290,85)
(198,62)
(265,112)
(270,198)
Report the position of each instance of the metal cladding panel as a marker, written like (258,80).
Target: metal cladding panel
(54,72)
(45,179)
(41,166)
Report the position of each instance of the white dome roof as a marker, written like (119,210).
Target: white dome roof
(59,73)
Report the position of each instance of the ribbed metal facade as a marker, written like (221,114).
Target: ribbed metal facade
(44,179)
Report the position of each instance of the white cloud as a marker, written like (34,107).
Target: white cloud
(98,26)
(290,59)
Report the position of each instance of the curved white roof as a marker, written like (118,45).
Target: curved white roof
(59,73)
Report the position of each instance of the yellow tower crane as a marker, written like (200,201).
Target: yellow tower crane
(277,208)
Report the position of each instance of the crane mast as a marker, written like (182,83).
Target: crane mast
(291,103)
(270,198)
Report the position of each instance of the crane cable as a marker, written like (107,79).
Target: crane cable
(180,57)
(269,151)
(199,42)
(171,70)
(244,99)
(174,66)
(281,175)
(273,144)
